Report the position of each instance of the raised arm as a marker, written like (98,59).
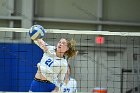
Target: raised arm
(41,44)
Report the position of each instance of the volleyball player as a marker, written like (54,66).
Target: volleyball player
(70,84)
(53,65)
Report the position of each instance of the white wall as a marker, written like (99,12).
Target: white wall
(77,14)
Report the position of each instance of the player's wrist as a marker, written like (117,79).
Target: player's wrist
(56,89)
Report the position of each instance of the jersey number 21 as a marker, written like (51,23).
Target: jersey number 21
(49,62)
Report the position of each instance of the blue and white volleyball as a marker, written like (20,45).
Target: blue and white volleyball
(36,32)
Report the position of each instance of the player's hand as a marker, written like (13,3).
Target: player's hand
(41,44)
(56,90)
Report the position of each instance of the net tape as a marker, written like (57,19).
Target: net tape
(74,32)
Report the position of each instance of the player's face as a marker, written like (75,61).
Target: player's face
(62,46)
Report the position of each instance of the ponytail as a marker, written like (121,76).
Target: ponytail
(72,52)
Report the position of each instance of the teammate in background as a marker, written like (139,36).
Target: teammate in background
(53,66)
(70,84)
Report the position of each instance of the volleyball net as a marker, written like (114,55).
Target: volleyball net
(108,60)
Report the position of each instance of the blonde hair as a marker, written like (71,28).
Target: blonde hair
(71,52)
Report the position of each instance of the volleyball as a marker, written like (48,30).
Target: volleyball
(36,32)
